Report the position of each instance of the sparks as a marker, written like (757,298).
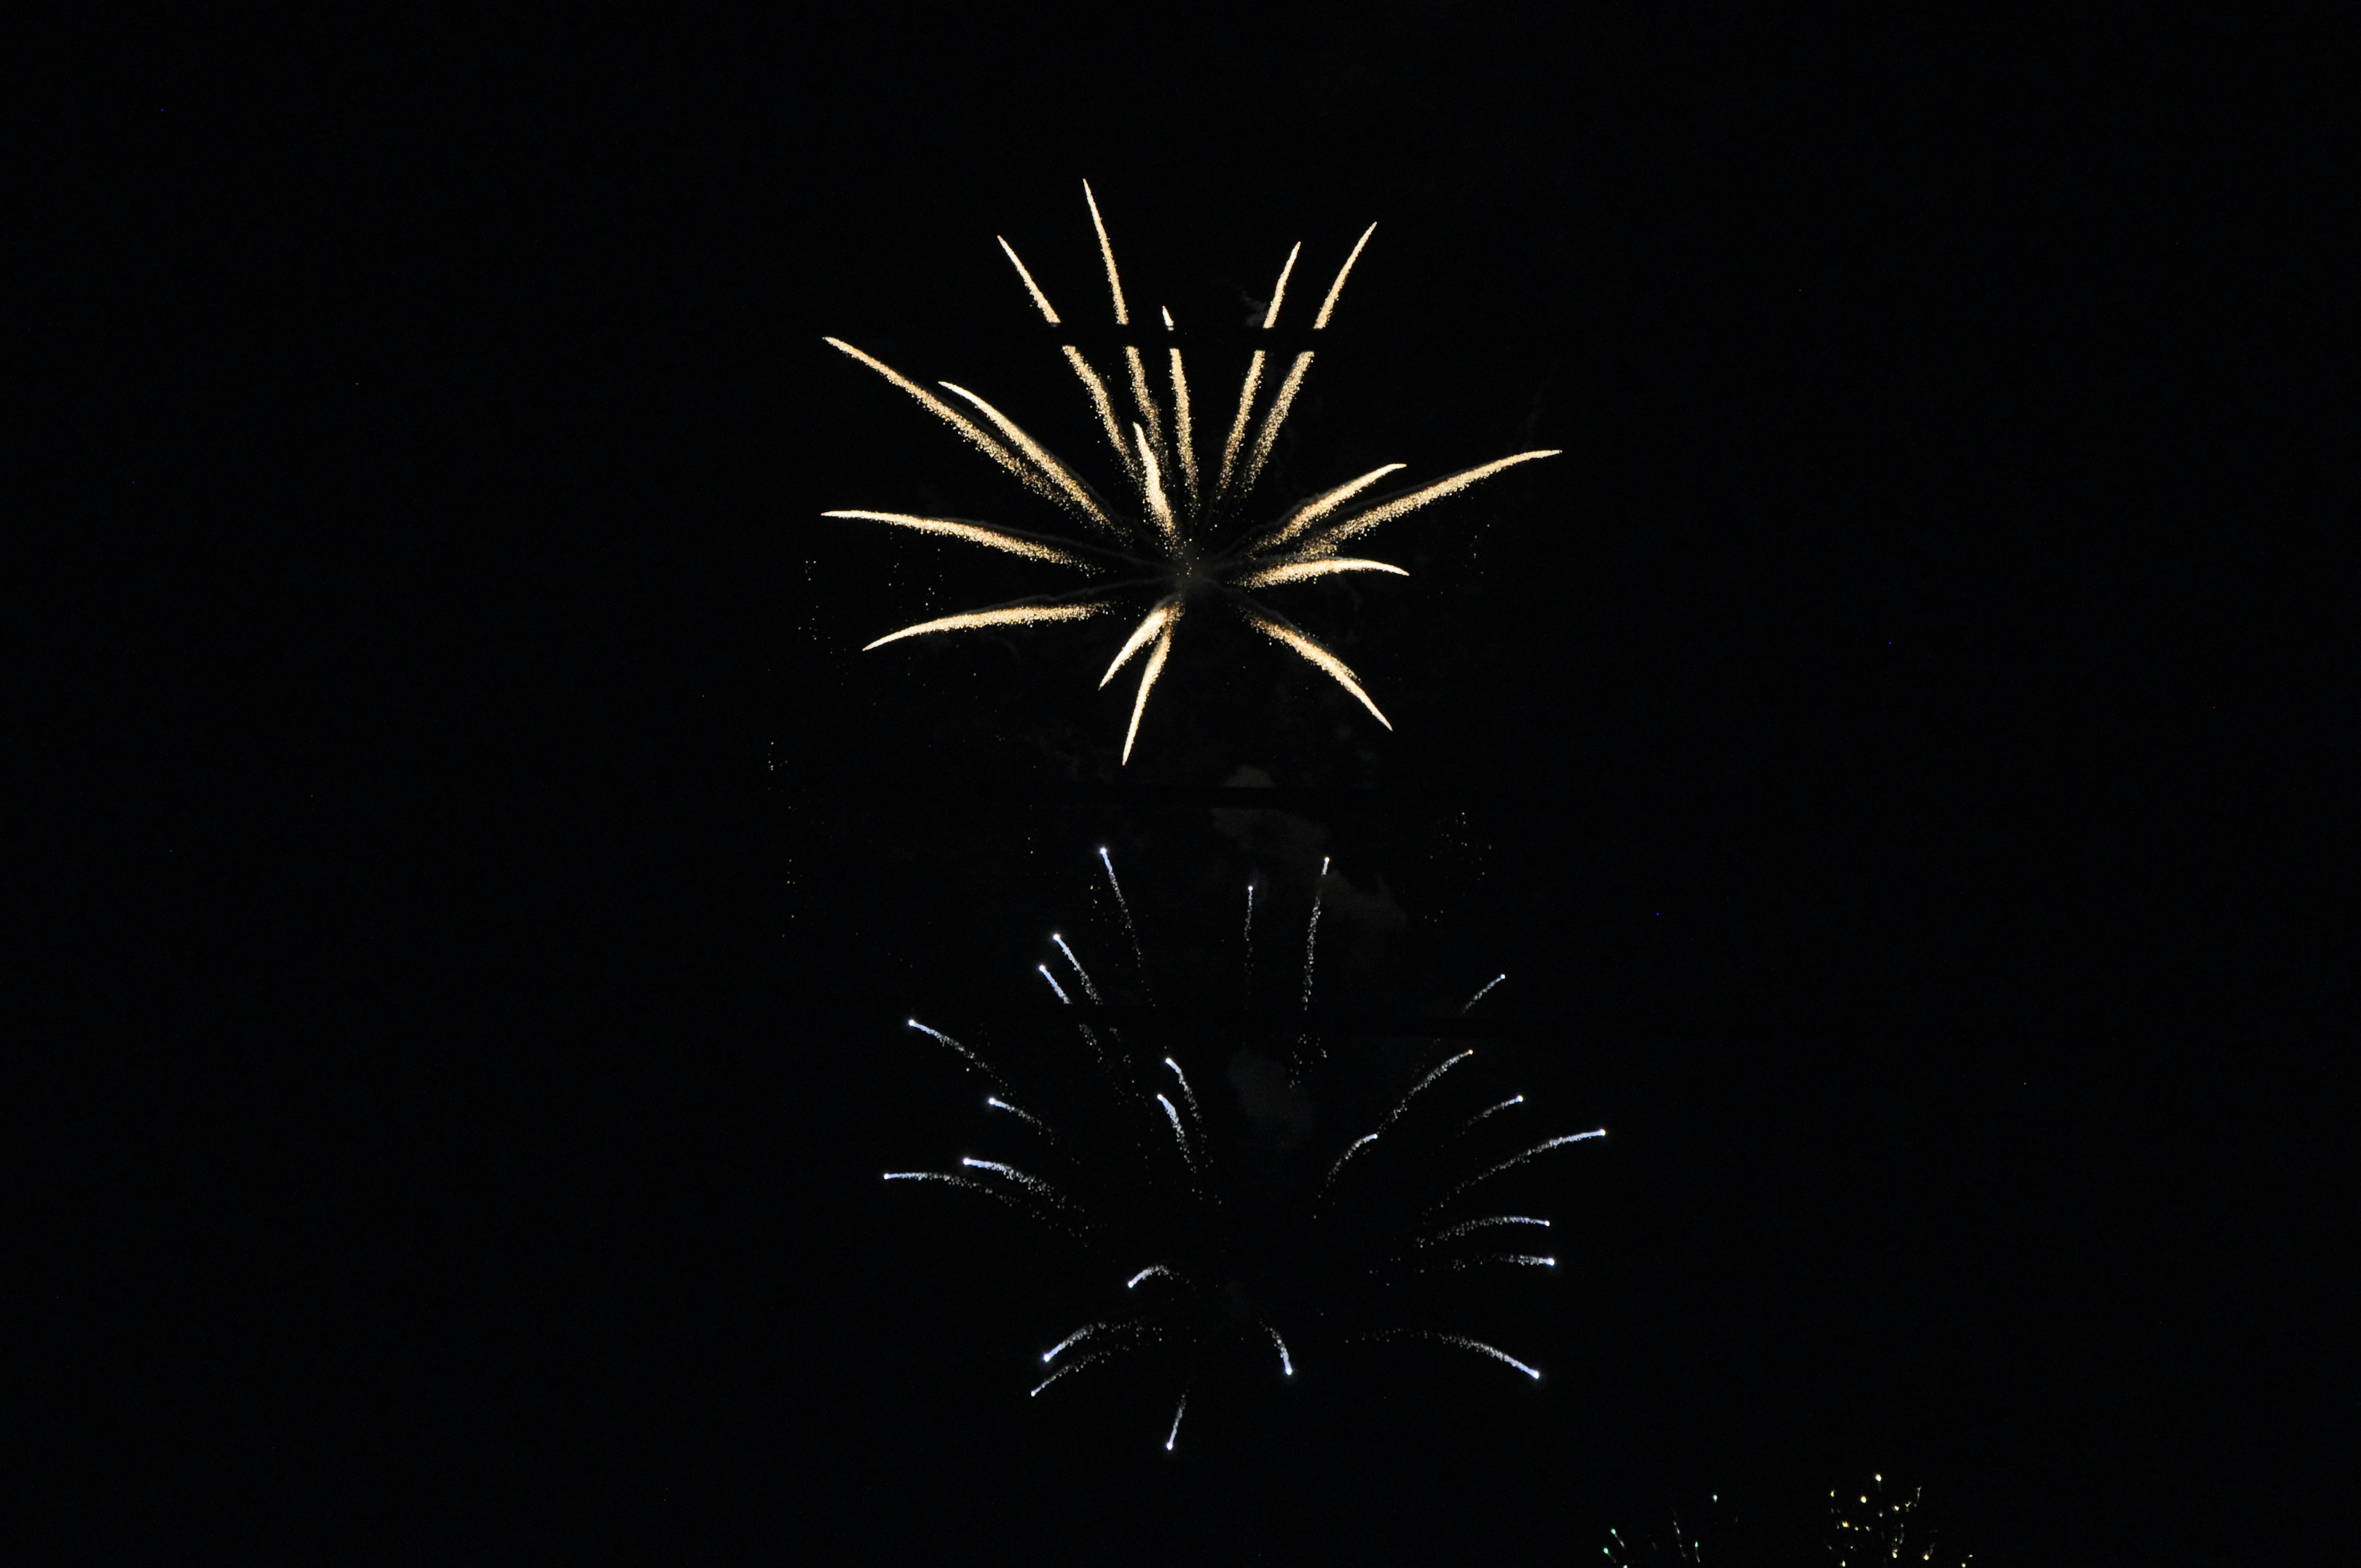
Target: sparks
(1515,1160)
(1487,1114)
(1051,1354)
(1312,938)
(994,1103)
(1014,542)
(1068,1370)
(1079,973)
(1395,1114)
(1032,1184)
(1218,1297)
(976,1061)
(1014,614)
(1195,1115)
(1466,1226)
(1363,1141)
(1090,1331)
(1471,1002)
(1171,544)
(1179,1136)
(1138,959)
(1069,489)
(991,1192)
(1464,1343)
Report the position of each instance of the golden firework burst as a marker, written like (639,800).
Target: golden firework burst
(1173,546)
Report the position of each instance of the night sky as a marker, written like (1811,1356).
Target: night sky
(517,881)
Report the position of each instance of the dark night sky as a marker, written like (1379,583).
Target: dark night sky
(1850,746)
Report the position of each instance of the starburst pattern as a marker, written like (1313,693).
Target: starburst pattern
(1174,545)
(1222,1244)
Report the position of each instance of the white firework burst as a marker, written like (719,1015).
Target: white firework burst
(1175,546)
(1221,1250)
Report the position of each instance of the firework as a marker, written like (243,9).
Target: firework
(1170,546)
(1207,1274)
(1701,1537)
(1874,1528)
(1865,1526)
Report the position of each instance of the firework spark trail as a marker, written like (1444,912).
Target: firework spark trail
(1311,931)
(990,1191)
(1515,1160)
(1463,1341)
(1295,373)
(1177,1414)
(1184,434)
(1051,1354)
(1069,1370)
(1494,1353)
(968,431)
(1179,1134)
(1253,382)
(1481,995)
(1238,425)
(1156,658)
(1138,959)
(1112,1325)
(1386,512)
(1032,1184)
(1080,972)
(1195,1115)
(1020,615)
(1047,314)
(1525,1258)
(1334,1170)
(1395,1114)
(978,1062)
(1151,626)
(1074,493)
(1286,1363)
(1151,1272)
(1033,547)
(1273,419)
(1297,571)
(1106,249)
(1328,305)
(1481,1115)
(1270,316)
(1145,401)
(994,1103)
(1302,519)
(1089,1037)
(1159,507)
(1101,405)
(1279,628)
(1250,887)
(1467,1227)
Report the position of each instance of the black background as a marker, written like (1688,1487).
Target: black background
(509,882)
